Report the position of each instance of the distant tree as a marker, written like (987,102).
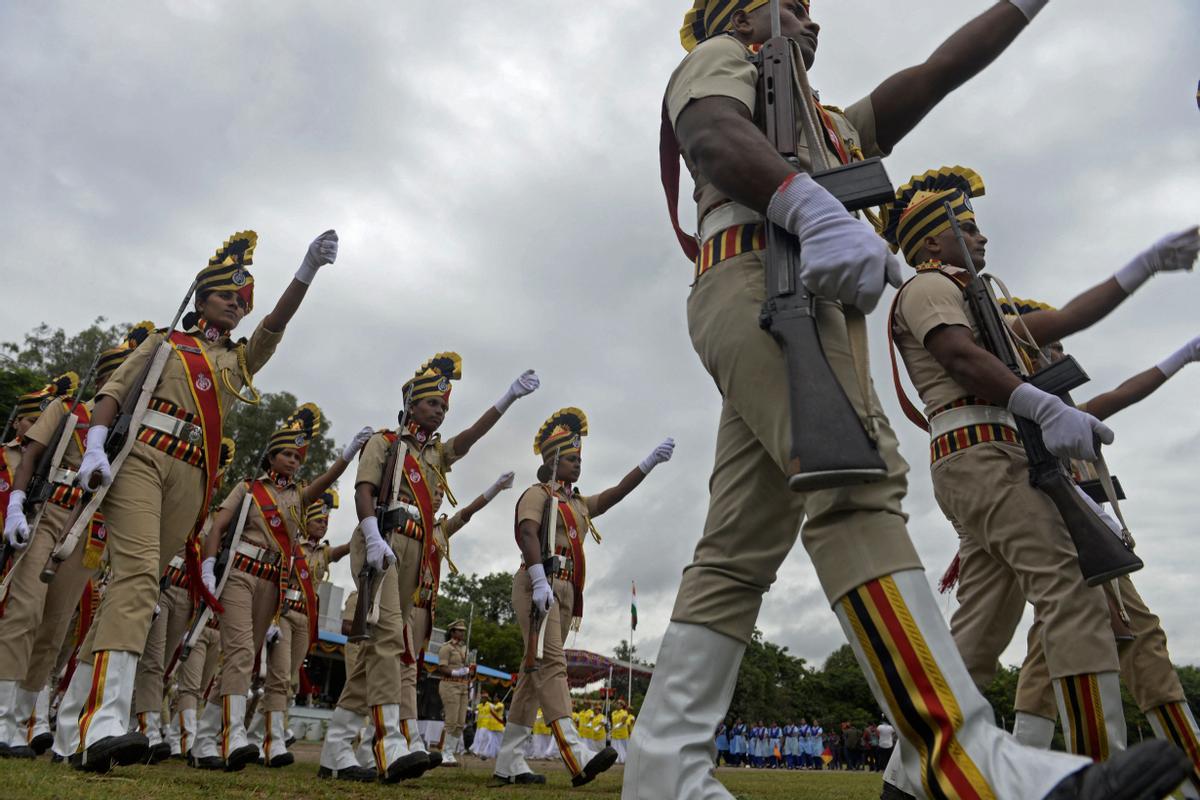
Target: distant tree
(487,603)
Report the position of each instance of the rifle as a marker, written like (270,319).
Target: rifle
(829,445)
(12,414)
(370,580)
(117,445)
(535,641)
(1102,556)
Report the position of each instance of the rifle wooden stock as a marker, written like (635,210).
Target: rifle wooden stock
(368,579)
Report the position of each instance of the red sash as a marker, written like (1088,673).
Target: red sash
(277,526)
(429,573)
(575,537)
(832,136)
(304,576)
(83,420)
(203,386)
(6,479)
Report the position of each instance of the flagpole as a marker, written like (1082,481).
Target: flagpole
(629,688)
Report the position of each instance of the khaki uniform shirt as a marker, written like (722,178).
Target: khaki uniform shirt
(452,656)
(433,455)
(317,557)
(723,67)
(44,429)
(257,531)
(925,303)
(173,385)
(533,503)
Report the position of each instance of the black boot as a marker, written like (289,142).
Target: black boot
(239,758)
(41,743)
(159,753)
(520,779)
(410,766)
(599,763)
(1147,771)
(113,751)
(891,792)
(358,774)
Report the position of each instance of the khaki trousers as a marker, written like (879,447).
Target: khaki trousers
(24,606)
(284,660)
(418,619)
(166,632)
(250,605)
(454,705)
(1016,540)
(853,534)
(197,672)
(1146,665)
(378,678)
(352,655)
(149,510)
(547,685)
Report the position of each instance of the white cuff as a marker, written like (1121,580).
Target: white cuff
(370,528)
(16,500)
(505,401)
(1029,8)
(648,463)
(95,437)
(306,273)
(537,573)
(1175,362)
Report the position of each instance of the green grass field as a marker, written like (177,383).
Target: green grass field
(41,780)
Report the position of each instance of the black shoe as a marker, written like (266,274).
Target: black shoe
(20,751)
(289,741)
(410,766)
(158,753)
(1147,771)
(599,763)
(239,758)
(207,762)
(891,792)
(435,760)
(521,778)
(55,758)
(113,751)
(359,774)
(41,743)
(285,760)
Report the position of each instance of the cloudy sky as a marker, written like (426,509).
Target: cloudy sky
(492,171)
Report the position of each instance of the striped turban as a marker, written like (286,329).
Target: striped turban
(707,18)
(226,270)
(917,211)
(561,434)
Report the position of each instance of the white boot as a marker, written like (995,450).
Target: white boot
(257,731)
(511,766)
(364,753)
(1033,730)
(236,750)
(205,750)
(393,760)
(104,739)
(337,751)
(9,738)
(40,736)
(895,781)
(66,729)
(672,752)
(1175,723)
(449,745)
(583,765)
(186,721)
(275,752)
(150,725)
(1086,700)
(25,713)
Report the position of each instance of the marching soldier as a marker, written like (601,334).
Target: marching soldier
(421,627)
(418,460)
(156,500)
(26,594)
(255,581)
(855,535)
(551,592)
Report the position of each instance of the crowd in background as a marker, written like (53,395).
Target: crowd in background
(770,745)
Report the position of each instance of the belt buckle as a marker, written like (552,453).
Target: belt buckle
(192,432)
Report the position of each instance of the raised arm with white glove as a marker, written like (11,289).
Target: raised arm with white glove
(543,595)
(379,553)
(1172,253)
(323,250)
(1171,364)
(95,460)
(208,576)
(527,383)
(840,257)
(357,443)
(1066,431)
(658,455)
(505,481)
(16,527)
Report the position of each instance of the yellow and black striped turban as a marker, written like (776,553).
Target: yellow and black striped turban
(228,451)
(34,403)
(113,357)
(298,431)
(320,508)
(707,18)
(1019,306)
(917,211)
(561,434)
(226,270)
(433,378)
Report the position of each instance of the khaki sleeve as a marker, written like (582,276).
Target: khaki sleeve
(718,67)
(444,654)
(121,383)
(261,347)
(233,500)
(47,424)
(372,461)
(928,302)
(454,524)
(592,503)
(531,505)
(862,116)
(448,456)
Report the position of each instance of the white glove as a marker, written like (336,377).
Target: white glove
(379,553)
(657,456)
(95,460)
(1168,366)
(1067,431)
(357,443)
(273,633)
(526,384)
(322,250)
(543,595)
(505,481)
(207,577)
(16,528)
(1029,8)
(840,257)
(460,672)
(1172,253)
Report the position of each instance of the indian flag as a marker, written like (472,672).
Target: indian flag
(633,608)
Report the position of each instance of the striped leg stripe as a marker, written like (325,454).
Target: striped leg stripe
(267,740)
(95,695)
(564,749)
(226,724)
(1083,716)
(184,744)
(1177,727)
(918,694)
(380,734)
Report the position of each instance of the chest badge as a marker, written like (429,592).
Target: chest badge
(276,522)
(414,476)
(4,485)
(203,382)
(574,534)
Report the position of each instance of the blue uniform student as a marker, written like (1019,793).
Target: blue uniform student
(722,744)
(774,745)
(740,744)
